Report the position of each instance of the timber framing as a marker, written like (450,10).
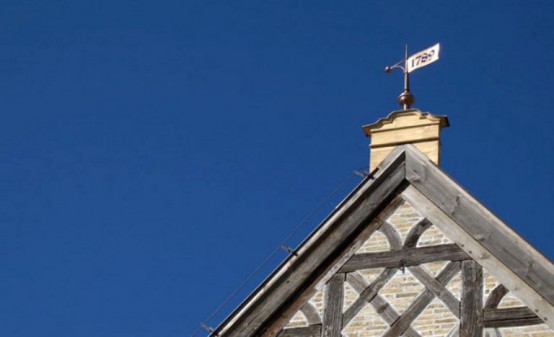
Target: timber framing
(479,236)
(500,318)
(405,257)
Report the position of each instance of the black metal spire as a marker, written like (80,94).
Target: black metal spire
(406,99)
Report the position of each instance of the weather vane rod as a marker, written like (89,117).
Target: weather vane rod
(416,61)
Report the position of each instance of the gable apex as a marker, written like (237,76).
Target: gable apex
(405,174)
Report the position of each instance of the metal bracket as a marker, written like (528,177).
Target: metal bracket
(288,249)
(210,330)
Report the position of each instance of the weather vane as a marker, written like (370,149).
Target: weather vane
(416,61)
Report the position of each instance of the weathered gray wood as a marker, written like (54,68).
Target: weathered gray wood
(508,313)
(421,302)
(410,314)
(510,323)
(332,312)
(505,317)
(531,266)
(437,289)
(381,306)
(395,242)
(311,314)
(390,315)
(357,281)
(415,233)
(496,295)
(294,278)
(368,294)
(471,311)
(475,249)
(405,257)
(308,331)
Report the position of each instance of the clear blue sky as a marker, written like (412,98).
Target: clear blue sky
(153,153)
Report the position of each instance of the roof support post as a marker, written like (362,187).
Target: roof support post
(332,316)
(471,313)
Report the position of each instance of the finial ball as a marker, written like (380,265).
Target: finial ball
(406,99)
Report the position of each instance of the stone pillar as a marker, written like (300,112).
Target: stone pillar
(420,129)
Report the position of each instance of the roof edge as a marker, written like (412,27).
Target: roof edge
(379,179)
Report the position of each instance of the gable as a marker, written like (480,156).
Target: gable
(401,296)
(324,287)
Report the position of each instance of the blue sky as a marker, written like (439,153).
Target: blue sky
(154,153)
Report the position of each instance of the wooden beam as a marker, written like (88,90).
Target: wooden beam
(405,257)
(506,317)
(390,315)
(421,302)
(471,311)
(415,233)
(332,312)
(262,313)
(437,289)
(496,295)
(308,331)
(381,306)
(416,308)
(494,235)
(310,312)
(368,294)
(395,242)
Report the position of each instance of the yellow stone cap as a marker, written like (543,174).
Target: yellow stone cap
(422,129)
(405,119)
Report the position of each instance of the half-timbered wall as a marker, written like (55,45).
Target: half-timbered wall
(409,279)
